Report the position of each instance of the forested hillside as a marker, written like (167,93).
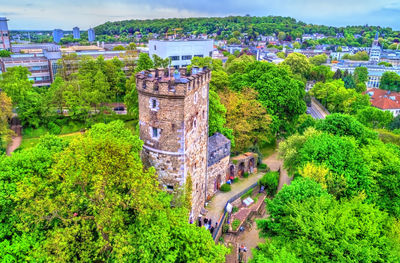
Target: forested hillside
(285,28)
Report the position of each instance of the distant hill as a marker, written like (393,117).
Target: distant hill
(228,27)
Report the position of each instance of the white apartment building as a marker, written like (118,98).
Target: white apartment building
(181,52)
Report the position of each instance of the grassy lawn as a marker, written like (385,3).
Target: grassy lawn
(32,141)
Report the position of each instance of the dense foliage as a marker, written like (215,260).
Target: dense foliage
(92,200)
(278,91)
(234,27)
(309,225)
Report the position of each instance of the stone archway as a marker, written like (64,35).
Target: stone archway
(241,169)
(231,172)
(251,165)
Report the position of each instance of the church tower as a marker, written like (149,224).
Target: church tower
(173,121)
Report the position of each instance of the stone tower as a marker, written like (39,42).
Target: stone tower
(173,120)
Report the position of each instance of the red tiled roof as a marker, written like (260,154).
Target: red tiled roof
(384,99)
(385,104)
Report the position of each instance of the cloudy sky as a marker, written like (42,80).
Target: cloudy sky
(65,14)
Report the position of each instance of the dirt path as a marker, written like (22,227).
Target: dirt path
(15,143)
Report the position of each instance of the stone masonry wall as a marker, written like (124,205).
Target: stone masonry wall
(217,172)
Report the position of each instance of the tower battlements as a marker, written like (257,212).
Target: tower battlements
(166,82)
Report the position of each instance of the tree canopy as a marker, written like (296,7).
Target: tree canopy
(92,200)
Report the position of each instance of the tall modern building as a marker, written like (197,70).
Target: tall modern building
(375,53)
(91,35)
(4,34)
(181,52)
(76,33)
(57,35)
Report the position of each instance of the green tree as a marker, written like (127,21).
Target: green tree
(247,118)
(5,53)
(298,64)
(374,118)
(144,62)
(390,81)
(313,228)
(93,200)
(278,91)
(15,84)
(5,116)
(161,63)
(337,98)
(281,55)
(318,60)
(383,161)
(296,45)
(345,125)
(361,75)
(119,48)
(217,118)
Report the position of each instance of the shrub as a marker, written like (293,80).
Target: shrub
(234,162)
(236,179)
(225,188)
(235,209)
(225,228)
(270,181)
(247,194)
(263,166)
(54,128)
(246,174)
(235,224)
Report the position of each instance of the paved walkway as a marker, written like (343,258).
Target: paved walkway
(15,143)
(217,204)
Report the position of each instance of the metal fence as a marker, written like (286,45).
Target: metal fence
(236,196)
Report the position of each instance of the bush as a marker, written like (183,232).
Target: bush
(247,194)
(235,224)
(235,209)
(225,188)
(54,128)
(270,181)
(236,179)
(225,228)
(33,133)
(263,166)
(245,175)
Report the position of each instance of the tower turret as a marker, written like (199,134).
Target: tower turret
(173,121)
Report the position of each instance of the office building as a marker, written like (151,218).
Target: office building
(91,35)
(181,52)
(76,33)
(57,35)
(4,34)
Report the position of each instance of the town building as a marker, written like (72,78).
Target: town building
(180,52)
(375,71)
(39,66)
(91,35)
(57,35)
(76,33)
(385,100)
(4,34)
(375,52)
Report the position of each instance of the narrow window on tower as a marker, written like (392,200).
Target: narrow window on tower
(155,133)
